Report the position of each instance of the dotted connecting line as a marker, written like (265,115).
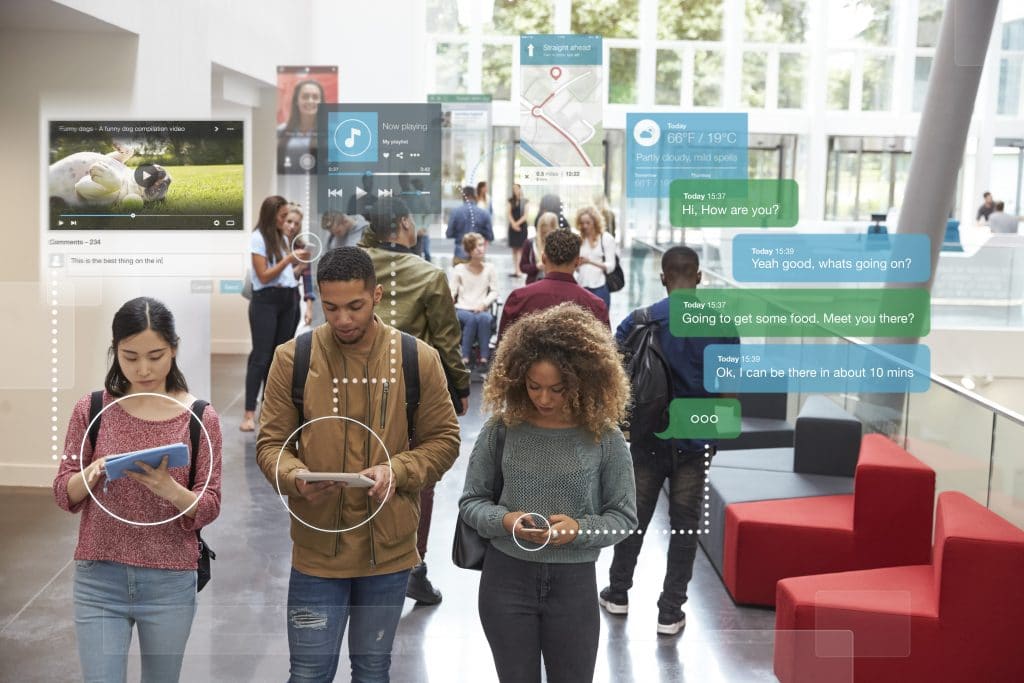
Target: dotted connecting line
(54,448)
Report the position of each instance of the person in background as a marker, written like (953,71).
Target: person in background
(483,198)
(680,461)
(601,202)
(1001,222)
(274,309)
(467,218)
(344,230)
(552,203)
(298,135)
(517,226)
(986,208)
(561,257)
(558,392)
(474,288)
(139,573)
(531,263)
(293,227)
(597,254)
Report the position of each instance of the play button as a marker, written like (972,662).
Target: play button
(360,193)
(146,175)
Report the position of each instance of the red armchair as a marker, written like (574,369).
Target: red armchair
(957,619)
(887,521)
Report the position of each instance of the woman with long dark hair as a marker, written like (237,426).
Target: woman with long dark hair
(298,135)
(517,226)
(274,308)
(137,552)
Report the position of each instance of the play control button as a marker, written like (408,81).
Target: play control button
(146,175)
(360,193)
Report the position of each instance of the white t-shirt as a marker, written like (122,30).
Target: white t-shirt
(257,245)
(474,291)
(593,276)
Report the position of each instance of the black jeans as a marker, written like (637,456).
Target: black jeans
(531,608)
(685,474)
(273,319)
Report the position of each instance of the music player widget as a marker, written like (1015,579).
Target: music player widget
(380,150)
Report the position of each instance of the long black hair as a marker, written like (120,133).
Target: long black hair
(139,315)
(293,115)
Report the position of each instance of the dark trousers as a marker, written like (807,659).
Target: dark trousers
(529,609)
(685,474)
(426,509)
(273,319)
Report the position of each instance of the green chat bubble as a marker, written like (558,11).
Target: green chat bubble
(734,203)
(876,312)
(702,418)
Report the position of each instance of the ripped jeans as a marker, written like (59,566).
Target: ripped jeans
(318,611)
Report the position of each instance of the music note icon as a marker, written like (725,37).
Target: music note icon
(351,139)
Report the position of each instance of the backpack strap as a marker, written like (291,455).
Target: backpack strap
(194,432)
(642,316)
(95,406)
(300,368)
(411,374)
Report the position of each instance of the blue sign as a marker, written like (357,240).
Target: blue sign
(561,49)
(661,148)
(230,286)
(817,368)
(831,258)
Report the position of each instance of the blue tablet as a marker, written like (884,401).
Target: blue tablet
(117,465)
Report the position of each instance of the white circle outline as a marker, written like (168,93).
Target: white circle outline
(209,444)
(516,540)
(369,138)
(319,243)
(277,470)
(648,124)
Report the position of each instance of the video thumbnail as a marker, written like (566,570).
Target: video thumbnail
(146,175)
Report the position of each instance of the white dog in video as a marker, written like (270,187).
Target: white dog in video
(94,180)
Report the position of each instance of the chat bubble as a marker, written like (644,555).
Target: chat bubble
(817,368)
(831,258)
(703,418)
(800,312)
(734,203)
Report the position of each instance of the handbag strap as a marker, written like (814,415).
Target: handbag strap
(194,428)
(499,479)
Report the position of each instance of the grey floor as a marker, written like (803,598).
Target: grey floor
(239,631)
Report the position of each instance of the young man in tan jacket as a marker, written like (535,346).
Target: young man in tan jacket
(353,547)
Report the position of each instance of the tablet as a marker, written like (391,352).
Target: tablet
(117,465)
(349,478)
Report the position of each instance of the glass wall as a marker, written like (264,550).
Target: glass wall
(865,176)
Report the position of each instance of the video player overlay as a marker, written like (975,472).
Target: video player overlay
(146,175)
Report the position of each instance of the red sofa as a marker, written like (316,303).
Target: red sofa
(887,521)
(956,619)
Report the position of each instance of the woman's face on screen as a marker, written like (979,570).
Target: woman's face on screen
(309,98)
(145,360)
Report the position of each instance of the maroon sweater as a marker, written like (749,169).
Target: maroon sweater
(554,289)
(149,541)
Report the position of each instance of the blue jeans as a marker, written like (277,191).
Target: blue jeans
(475,326)
(318,610)
(603,294)
(110,598)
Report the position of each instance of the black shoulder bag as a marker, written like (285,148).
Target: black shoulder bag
(205,551)
(616,279)
(469,547)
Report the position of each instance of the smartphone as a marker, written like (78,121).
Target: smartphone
(350,479)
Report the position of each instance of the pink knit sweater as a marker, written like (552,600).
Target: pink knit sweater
(101,536)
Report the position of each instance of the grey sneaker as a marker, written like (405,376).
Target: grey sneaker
(614,602)
(420,589)
(671,623)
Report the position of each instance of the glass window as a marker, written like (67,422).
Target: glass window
(867,22)
(875,181)
(669,77)
(608,18)
(690,19)
(841,192)
(763,163)
(1011,74)
(876,86)
(929,20)
(622,75)
(776,21)
(840,66)
(497,71)
(791,80)
(707,78)
(1013,24)
(450,71)
(922,70)
(522,16)
(755,75)
(443,17)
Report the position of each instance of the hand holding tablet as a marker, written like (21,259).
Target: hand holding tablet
(347,478)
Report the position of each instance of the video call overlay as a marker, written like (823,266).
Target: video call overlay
(146,175)
(380,150)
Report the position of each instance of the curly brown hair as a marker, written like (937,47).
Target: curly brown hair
(574,341)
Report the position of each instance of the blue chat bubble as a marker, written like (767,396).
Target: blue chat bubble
(831,258)
(817,368)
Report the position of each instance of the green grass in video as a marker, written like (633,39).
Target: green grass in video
(199,190)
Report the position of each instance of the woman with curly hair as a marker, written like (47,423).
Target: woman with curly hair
(557,392)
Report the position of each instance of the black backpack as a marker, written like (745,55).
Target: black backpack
(205,551)
(650,377)
(410,372)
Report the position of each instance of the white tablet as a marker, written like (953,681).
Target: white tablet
(349,478)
